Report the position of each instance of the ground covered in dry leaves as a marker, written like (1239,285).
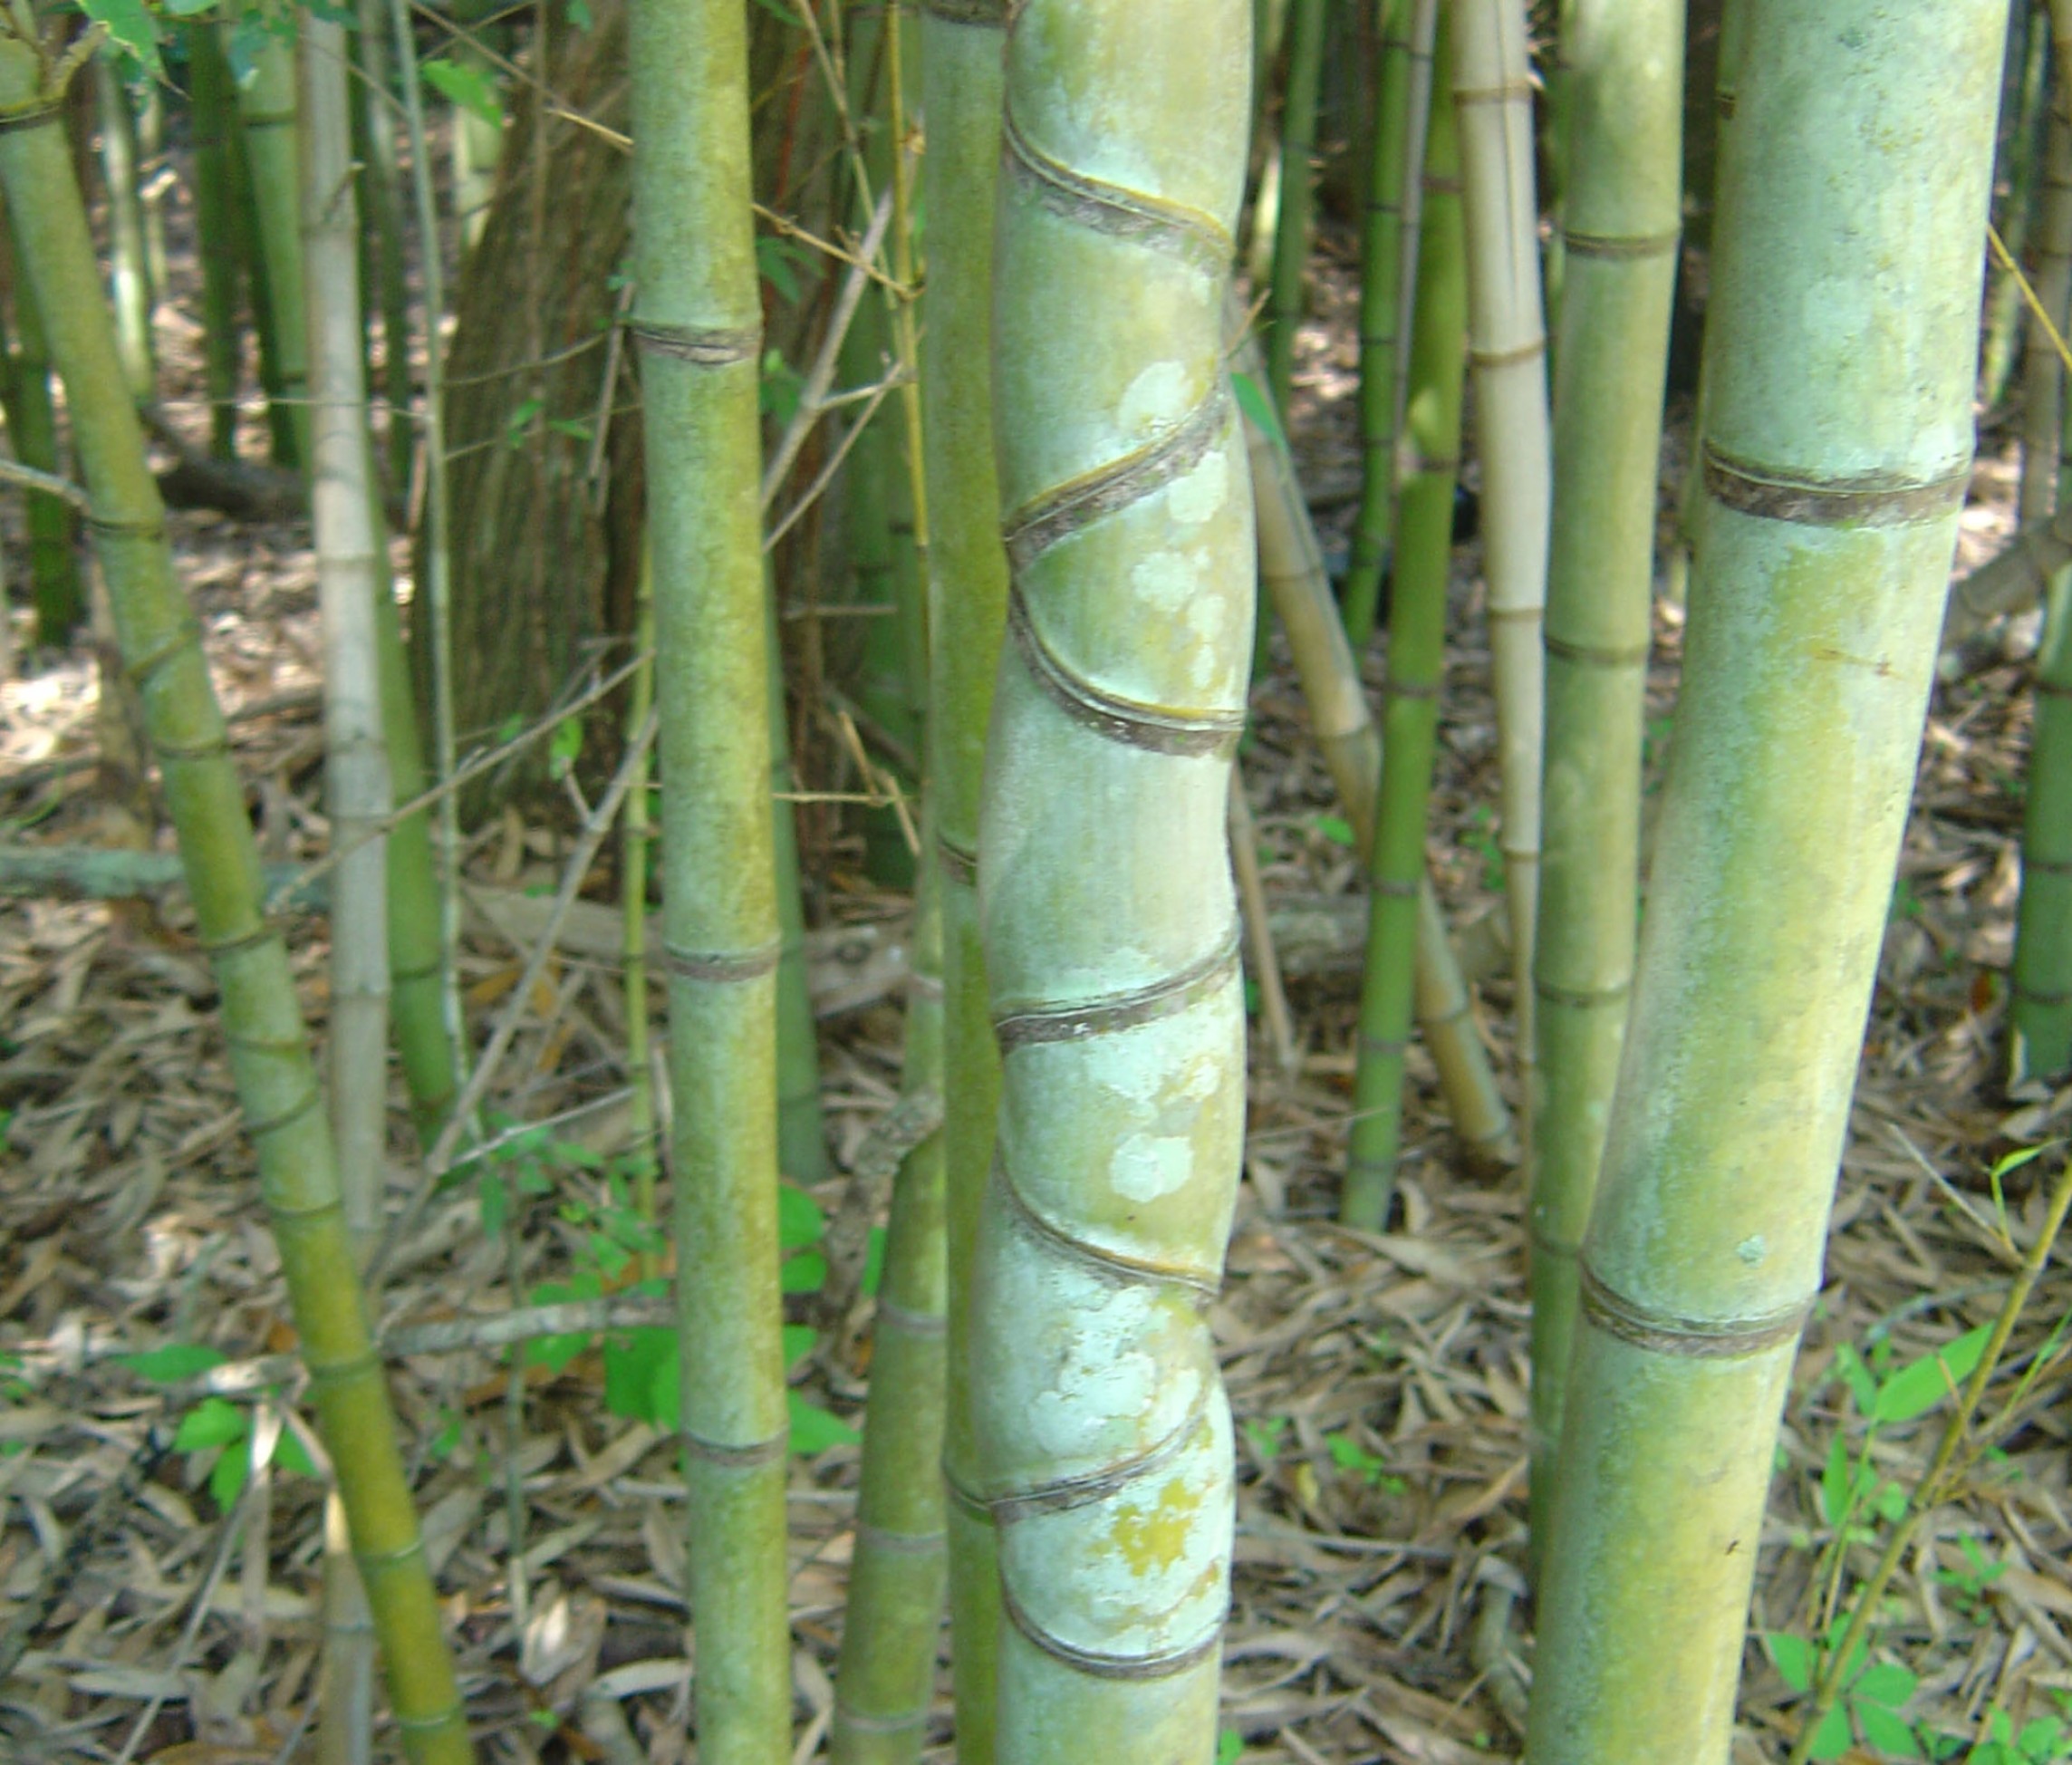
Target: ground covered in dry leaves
(1380,1382)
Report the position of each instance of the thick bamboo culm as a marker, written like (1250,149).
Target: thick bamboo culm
(1292,574)
(698,325)
(1834,476)
(1381,257)
(1506,333)
(1409,718)
(270,1062)
(349,575)
(215,220)
(266,109)
(961,57)
(1624,91)
(1297,193)
(885,1682)
(1111,929)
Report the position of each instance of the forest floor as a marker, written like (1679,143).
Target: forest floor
(1380,1382)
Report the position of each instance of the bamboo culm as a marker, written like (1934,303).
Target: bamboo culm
(1409,718)
(885,1681)
(215,220)
(1623,90)
(270,1062)
(1297,193)
(1492,75)
(961,61)
(1109,918)
(33,432)
(1834,475)
(130,274)
(266,111)
(697,324)
(802,1135)
(1380,256)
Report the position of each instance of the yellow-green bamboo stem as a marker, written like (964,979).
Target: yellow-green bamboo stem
(269,1054)
(2042,368)
(698,325)
(885,1681)
(2007,317)
(1623,89)
(1381,257)
(1291,219)
(349,575)
(1291,571)
(633,849)
(1410,717)
(1110,924)
(215,226)
(1492,91)
(1837,450)
(961,54)
(380,195)
(130,276)
(266,108)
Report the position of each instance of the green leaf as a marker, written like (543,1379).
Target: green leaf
(1335,828)
(291,1454)
(1890,1735)
(2040,1741)
(176,1361)
(1885,1682)
(772,261)
(805,1273)
(1831,1738)
(1854,1374)
(799,1339)
(875,1260)
(1793,1656)
(1834,1482)
(785,13)
(564,746)
(1918,1388)
(1257,407)
(131,26)
(815,1430)
(213,1421)
(468,87)
(1229,1747)
(800,1222)
(580,16)
(633,1360)
(227,1475)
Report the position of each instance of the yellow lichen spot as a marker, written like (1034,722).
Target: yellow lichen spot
(1155,1539)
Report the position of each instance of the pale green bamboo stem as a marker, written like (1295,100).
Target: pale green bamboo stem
(1381,256)
(1623,89)
(698,325)
(266,106)
(2042,368)
(885,1681)
(1507,334)
(276,1083)
(1410,716)
(961,55)
(634,850)
(2007,313)
(215,229)
(130,276)
(1297,192)
(350,573)
(1292,572)
(1837,450)
(345,1692)
(1110,923)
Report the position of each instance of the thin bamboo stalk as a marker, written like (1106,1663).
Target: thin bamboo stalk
(961,62)
(216,227)
(1410,717)
(633,851)
(1262,967)
(2007,317)
(1623,89)
(33,432)
(270,1062)
(130,276)
(349,575)
(885,1681)
(1833,475)
(698,325)
(1109,919)
(2042,368)
(251,263)
(345,1696)
(381,196)
(1380,254)
(1291,571)
(266,111)
(1492,91)
(802,1135)
(1297,192)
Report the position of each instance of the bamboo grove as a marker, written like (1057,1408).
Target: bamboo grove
(824,449)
